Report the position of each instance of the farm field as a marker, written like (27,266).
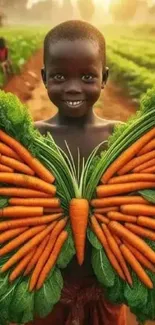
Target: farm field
(131,74)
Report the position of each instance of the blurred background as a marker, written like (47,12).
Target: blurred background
(129,29)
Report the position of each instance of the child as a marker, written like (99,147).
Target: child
(5,62)
(74,74)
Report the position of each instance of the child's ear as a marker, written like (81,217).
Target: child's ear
(105,77)
(43,74)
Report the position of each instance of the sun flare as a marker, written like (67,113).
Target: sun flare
(106,3)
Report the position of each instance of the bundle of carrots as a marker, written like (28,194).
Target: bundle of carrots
(32,224)
(122,219)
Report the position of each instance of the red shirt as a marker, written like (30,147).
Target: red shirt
(3,54)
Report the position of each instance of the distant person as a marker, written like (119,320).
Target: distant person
(5,62)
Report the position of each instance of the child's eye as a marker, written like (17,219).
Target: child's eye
(87,77)
(58,77)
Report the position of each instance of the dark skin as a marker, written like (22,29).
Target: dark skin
(74,76)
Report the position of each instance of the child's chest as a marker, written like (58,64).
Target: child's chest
(84,139)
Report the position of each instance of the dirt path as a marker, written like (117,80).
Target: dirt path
(30,89)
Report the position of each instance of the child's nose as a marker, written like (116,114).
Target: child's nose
(73,86)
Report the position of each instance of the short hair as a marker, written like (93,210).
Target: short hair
(72,30)
(2,42)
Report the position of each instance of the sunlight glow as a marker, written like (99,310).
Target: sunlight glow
(105,3)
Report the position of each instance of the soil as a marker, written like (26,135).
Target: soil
(113,104)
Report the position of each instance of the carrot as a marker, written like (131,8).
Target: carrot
(116,251)
(117,200)
(138,209)
(136,266)
(132,239)
(35,202)
(136,177)
(141,167)
(147,148)
(11,224)
(21,266)
(22,192)
(146,222)
(141,231)
(127,155)
(28,182)
(7,151)
(114,215)
(53,210)
(104,210)
(9,234)
(20,211)
(45,255)
(5,169)
(78,213)
(115,189)
(101,237)
(17,165)
(22,238)
(52,259)
(117,240)
(141,258)
(136,162)
(26,156)
(149,170)
(36,256)
(101,218)
(26,248)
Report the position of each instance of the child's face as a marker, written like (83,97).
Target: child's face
(73,76)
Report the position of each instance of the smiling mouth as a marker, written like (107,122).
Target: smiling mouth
(74,103)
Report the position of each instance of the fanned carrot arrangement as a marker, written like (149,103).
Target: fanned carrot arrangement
(50,207)
(119,212)
(33,218)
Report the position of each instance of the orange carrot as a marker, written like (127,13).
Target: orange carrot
(101,237)
(141,167)
(147,148)
(146,222)
(136,177)
(78,213)
(107,209)
(28,182)
(45,255)
(136,266)
(19,269)
(53,210)
(9,234)
(7,151)
(101,218)
(5,169)
(141,231)
(52,259)
(116,251)
(25,155)
(149,170)
(22,238)
(22,192)
(36,256)
(114,215)
(115,189)
(132,239)
(136,162)
(12,224)
(118,241)
(43,202)
(26,248)
(17,165)
(127,155)
(117,200)
(138,209)
(141,258)
(20,211)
